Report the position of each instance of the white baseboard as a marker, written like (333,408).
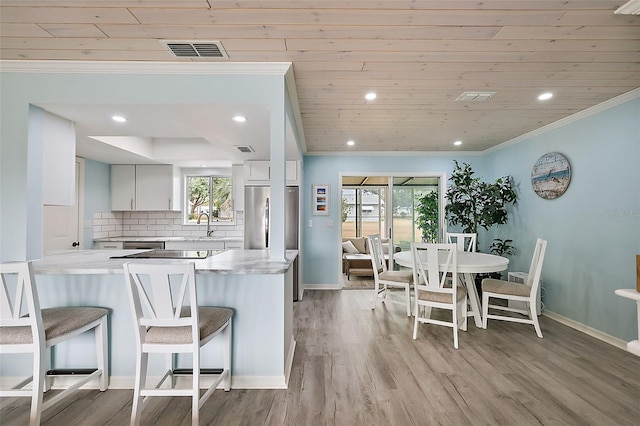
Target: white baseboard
(614,341)
(322,287)
(289,361)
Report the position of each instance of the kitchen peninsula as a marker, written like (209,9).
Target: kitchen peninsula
(257,288)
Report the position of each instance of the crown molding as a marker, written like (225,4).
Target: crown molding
(132,67)
(618,100)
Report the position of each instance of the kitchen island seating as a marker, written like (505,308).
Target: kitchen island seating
(385,278)
(499,289)
(437,287)
(169,322)
(25,328)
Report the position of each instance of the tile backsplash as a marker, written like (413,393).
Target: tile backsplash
(158,224)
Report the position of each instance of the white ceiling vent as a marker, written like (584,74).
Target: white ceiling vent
(244,148)
(196,49)
(631,7)
(475,96)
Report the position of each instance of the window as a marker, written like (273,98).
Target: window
(208,199)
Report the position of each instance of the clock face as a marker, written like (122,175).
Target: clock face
(551,175)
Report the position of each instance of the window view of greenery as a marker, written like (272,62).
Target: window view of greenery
(414,215)
(362,212)
(208,198)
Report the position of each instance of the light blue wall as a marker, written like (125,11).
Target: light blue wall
(321,243)
(96,195)
(593,230)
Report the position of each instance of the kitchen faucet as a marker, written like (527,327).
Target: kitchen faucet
(209,230)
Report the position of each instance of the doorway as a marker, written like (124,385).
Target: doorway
(386,204)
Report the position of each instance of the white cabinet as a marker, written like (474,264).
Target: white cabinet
(233,245)
(123,187)
(237,182)
(194,245)
(146,187)
(108,245)
(259,172)
(59,165)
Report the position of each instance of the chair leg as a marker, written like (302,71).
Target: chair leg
(102,352)
(415,324)
(39,373)
(141,378)
(226,357)
(169,367)
(454,319)
(376,291)
(534,318)
(485,309)
(47,357)
(407,292)
(195,396)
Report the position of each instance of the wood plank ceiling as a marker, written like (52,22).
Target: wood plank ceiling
(418,56)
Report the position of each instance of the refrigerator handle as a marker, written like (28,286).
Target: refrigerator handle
(266,224)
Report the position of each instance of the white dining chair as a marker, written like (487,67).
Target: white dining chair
(167,320)
(27,329)
(385,278)
(507,290)
(437,287)
(464,241)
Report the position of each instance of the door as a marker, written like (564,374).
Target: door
(61,224)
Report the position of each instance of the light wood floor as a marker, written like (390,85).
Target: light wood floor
(355,366)
(358,282)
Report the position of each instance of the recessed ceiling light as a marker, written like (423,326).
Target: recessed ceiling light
(370,96)
(545,96)
(119,119)
(351,143)
(239,119)
(457,143)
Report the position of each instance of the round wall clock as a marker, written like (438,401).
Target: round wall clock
(551,175)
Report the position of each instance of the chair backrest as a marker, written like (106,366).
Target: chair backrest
(465,242)
(433,263)
(535,270)
(377,256)
(154,300)
(18,276)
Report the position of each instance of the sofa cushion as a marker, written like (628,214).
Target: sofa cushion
(348,247)
(359,243)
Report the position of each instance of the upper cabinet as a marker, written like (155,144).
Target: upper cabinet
(59,158)
(259,172)
(144,187)
(237,185)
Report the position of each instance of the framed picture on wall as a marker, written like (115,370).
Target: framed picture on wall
(321,195)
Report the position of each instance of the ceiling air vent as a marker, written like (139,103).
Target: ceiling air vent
(196,49)
(244,148)
(475,96)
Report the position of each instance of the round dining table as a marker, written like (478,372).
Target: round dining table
(469,264)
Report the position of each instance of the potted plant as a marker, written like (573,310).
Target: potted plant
(474,204)
(427,215)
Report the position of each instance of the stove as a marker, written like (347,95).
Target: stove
(169,254)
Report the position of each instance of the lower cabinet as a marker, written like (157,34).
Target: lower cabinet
(194,245)
(108,245)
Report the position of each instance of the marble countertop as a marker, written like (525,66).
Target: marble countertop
(114,239)
(99,262)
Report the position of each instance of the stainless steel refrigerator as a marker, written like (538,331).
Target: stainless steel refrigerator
(257,232)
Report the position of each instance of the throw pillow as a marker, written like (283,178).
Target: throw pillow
(348,247)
